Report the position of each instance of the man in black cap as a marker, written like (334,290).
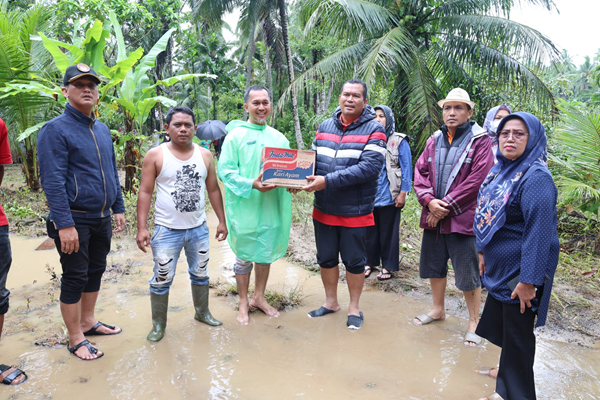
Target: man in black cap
(79,175)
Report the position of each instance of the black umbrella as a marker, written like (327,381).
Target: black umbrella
(211,130)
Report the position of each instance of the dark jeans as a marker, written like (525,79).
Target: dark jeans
(383,239)
(504,325)
(5,262)
(333,241)
(82,271)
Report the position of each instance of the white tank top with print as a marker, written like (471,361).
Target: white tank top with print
(180,191)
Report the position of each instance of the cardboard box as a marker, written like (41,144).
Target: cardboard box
(286,167)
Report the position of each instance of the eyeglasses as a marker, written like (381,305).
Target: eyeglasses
(81,86)
(516,135)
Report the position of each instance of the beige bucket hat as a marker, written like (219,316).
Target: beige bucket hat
(457,94)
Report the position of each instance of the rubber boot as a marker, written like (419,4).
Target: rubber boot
(200,296)
(160,305)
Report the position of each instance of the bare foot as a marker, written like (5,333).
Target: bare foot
(433,316)
(243,314)
(491,372)
(265,307)
(20,378)
(102,329)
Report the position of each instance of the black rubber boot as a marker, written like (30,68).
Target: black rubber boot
(160,305)
(200,296)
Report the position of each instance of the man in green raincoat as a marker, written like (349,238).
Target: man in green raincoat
(258,216)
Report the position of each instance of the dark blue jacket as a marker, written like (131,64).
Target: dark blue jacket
(78,168)
(351,161)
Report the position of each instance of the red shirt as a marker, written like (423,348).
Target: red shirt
(5,159)
(336,220)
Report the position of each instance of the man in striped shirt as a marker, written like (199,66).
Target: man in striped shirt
(350,150)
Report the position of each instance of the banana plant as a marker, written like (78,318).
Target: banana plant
(137,96)
(126,83)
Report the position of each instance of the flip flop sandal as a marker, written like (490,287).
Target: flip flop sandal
(487,371)
(425,319)
(474,338)
(368,271)
(380,278)
(94,332)
(12,376)
(90,348)
(319,312)
(355,321)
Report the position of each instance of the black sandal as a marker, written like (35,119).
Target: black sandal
(368,271)
(8,380)
(94,332)
(381,273)
(90,348)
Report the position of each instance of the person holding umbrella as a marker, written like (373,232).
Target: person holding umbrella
(211,131)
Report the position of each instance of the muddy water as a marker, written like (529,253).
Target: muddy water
(272,358)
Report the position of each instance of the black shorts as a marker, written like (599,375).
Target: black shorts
(436,249)
(82,271)
(333,241)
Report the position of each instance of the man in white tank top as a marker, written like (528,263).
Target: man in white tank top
(182,171)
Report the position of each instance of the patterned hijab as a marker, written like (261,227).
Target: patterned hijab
(489,119)
(496,192)
(390,124)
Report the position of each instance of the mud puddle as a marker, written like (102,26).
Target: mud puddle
(272,358)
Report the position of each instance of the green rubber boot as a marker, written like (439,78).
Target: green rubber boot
(200,296)
(160,305)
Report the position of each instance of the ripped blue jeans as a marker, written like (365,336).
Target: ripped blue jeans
(166,246)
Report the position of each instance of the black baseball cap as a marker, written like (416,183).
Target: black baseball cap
(80,70)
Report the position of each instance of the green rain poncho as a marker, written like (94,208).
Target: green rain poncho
(258,223)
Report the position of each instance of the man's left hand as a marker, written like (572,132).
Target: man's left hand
(525,292)
(400,200)
(318,183)
(221,232)
(432,221)
(120,221)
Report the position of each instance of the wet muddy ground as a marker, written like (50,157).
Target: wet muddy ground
(273,358)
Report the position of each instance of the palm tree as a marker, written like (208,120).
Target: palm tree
(427,47)
(253,12)
(21,59)
(288,53)
(576,162)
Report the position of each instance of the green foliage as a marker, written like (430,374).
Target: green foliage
(25,99)
(19,211)
(576,165)
(426,51)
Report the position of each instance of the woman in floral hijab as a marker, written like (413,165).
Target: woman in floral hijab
(515,227)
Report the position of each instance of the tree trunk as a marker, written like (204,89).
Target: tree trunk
(250,55)
(288,54)
(325,98)
(29,166)
(130,159)
(269,71)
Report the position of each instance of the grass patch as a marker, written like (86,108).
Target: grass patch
(223,288)
(286,299)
